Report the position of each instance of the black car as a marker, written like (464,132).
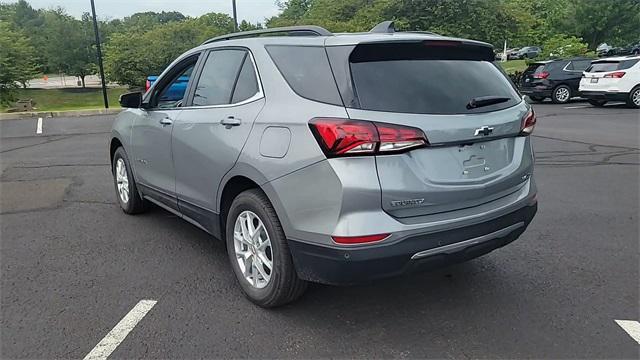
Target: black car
(555,79)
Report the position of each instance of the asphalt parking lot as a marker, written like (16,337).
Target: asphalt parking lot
(73,264)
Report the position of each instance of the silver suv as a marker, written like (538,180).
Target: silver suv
(332,158)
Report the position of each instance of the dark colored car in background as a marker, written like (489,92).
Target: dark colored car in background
(605,50)
(556,79)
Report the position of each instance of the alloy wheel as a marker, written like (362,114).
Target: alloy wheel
(636,97)
(253,251)
(122,180)
(562,94)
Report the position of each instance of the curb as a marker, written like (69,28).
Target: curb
(70,113)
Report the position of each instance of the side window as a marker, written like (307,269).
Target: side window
(569,66)
(218,77)
(172,94)
(314,82)
(581,65)
(247,84)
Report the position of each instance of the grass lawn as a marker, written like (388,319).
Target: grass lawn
(512,66)
(69,99)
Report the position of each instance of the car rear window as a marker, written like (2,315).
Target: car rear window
(306,69)
(428,81)
(604,66)
(534,69)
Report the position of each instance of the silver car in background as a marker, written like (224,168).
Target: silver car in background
(332,158)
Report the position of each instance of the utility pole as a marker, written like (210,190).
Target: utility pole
(99,51)
(235,16)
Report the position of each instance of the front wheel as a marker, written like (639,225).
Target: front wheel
(561,94)
(128,196)
(634,98)
(597,103)
(259,253)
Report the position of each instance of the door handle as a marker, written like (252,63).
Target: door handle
(166,121)
(230,121)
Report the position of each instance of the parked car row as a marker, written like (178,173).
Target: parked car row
(527,52)
(600,81)
(606,50)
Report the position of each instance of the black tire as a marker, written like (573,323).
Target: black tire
(557,91)
(284,285)
(537,98)
(597,103)
(135,204)
(634,93)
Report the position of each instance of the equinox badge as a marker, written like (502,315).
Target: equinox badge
(484,131)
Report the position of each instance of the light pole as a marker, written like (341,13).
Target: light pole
(235,16)
(99,51)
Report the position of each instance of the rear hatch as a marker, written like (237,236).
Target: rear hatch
(604,75)
(470,113)
(534,75)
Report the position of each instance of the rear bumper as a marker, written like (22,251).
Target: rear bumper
(604,95)
(343,266)
(536,91)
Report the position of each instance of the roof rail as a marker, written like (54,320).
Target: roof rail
(304,30)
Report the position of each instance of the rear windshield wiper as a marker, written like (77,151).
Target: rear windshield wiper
(486,101)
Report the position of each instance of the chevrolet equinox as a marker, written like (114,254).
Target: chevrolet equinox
(332,158)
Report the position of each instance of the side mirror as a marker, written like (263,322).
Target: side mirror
(131,100)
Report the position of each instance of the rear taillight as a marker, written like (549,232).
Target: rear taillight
(394,138)
(344,137)
(359,239)
(615,75)
(528,123)
(541,75)
(147,85)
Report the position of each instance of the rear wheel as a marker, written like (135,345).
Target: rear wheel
(537,98)
(561,94)
(128,196)
(634,97)
(597,103)
(259,253)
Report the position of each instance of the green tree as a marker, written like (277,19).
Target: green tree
(70,44)
(596,21)
(559,46)
(130,62)
(16,61)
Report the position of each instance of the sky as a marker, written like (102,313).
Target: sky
(250,10)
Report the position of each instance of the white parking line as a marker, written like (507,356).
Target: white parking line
(111,341)
(631,327)
(39,126)
(577,107)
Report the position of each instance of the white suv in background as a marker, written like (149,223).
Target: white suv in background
(612,79)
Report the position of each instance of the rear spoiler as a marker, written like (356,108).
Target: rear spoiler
(430,49)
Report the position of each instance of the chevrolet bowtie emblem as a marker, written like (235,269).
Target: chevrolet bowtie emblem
(484,131)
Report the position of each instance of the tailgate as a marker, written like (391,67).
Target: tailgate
(475,154)
(459,169)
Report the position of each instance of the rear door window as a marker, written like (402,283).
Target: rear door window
(581,65)
(247,84)
(410,82)
(218,77)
